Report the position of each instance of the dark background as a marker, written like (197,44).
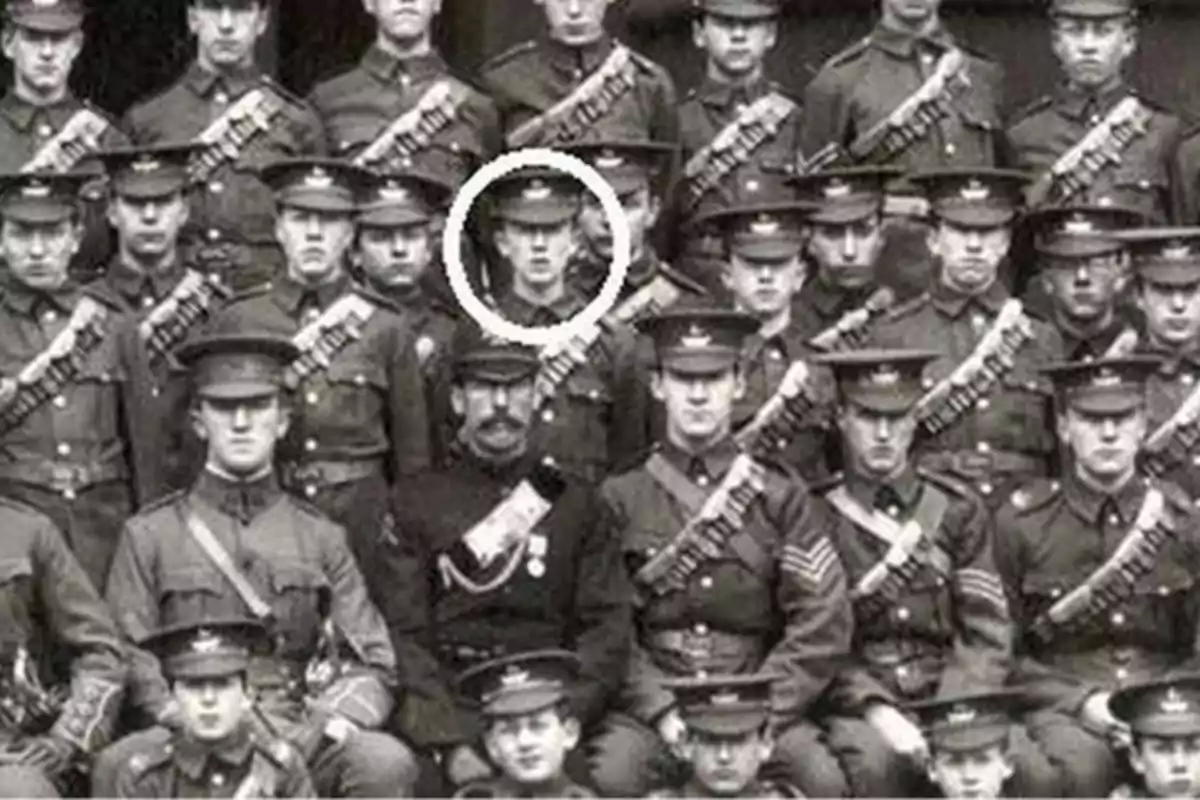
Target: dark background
(136,47)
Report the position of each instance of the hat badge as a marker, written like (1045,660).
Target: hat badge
(961,714)
(837,189)
(1177,251)
(146,164)
(45,3)
(1078,225)
(514,678)
(206,641)
(695,338)
(765,225)
(393,192)
(1173,702)
(36,189)
(727,698)
(318,178)
(1106,377)
(537,189)
(886,375)
(975,191)
(608,159)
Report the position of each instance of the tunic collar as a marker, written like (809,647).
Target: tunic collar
(242,500)
(388,68)
(1081,105)
(192,757)
(723,95)
(30,302)
(571,61)
(713,462)
(523,312)
(1091,505)
(23,114)
(132,284)
(293,296)
(205,83)
(952,304)
(903,491)
(903,44)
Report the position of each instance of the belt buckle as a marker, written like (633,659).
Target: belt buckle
(65,477)
(973,464)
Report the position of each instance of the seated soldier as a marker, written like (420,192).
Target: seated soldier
(1164,749)
(969,735)
(215,750)
(727,738)
(530,727)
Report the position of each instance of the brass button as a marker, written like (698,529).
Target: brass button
(548,415)
(310,490)
(902,614)
(700,629)
(706,582)
(59,401)
(63,449)
(310,445)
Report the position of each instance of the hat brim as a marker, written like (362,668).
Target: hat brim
(1182,274)
(393,217)
(205,666)
(847,212)
(38,213)
(323,200)
(149,188)
(730,724)
(48,21)
(883,401)
(975,217)
(1114,402)
(1168,726)
(698,362)
(238,390)
(497,372)
(1078,247)
(512,704)
(970,739)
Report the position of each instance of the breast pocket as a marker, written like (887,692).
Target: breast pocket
(190,593)
(1143,189)
(302,593)
(1021,405)
(356,395)
(925,606)
(1162,606)
(1038,594)
(93,406)
(577,426)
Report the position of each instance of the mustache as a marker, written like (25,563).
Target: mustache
(502,420)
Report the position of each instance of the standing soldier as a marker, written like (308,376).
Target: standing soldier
(497,553)
(74,396)
(592,400)
(1095,140)
(235,544)
(731,562)
(216,752)
(1100,568)
(1084,273)
(836,307)
(985,418)
(243,120)
(1163,717)
(359,422)
(43,126)
(576,81)
(737,125)
(57,711)
(930,611)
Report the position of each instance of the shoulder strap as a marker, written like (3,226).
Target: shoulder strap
(220,558)
(559,360)
(254,113)
(413,130)
(321,340)
(189,303)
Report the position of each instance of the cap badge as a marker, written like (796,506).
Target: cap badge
(886,375)
(837,189)
(961,714)
(1177,251)
(1078,225)
(206,641)
(975,191)
(537,189)
(36,189)
(1174,703)
(725,699)
(514,678)
(45,3)
(393,192)
(318,178)
(146,164)
(695,338)
(608,159)
(765,225)
(1106,377)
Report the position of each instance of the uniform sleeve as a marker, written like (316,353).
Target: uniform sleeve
(824,117)
(409,422)
(648,700)
(812,598)
(602,615)
(629,427)
(132,596)
(363,695)
(80,620)
(1185,182)
(982,622)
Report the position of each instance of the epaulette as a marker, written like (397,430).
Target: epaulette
(1029,109)
(13,504)
(504,57)
(100,112)
(909,306)
(312,510)
(142,763)
(685,281)
(284,92)
(852,51)
(100,290)
(1034,495)
(634,461)
(646,63)
(829,483)
(250,292)
(161,502)
(369,293)
(1175,495)
(948,482)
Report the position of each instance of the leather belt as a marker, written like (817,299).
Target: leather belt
(976,464)
(329,473)
(891,652)
(63,477)
(702,642)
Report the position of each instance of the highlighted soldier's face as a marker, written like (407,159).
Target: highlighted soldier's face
(226,33)
(1169,766)
(575,22)
(396,255)
(763,287)
(1172,312)
(876,442)
(725,766)
(241,434)
(977,773)
(736,46)
(148,228)
(42,60)
(212,708)
(315,242)
(39,255)
(641,212)
(1092,51)
(970,257)
(911,12)
(699,407)
(1104,445)
(1085,289)
(532,749)
(495,416)
(403,20)
(538,253)
(846,254)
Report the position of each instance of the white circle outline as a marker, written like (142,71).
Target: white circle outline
(456,221)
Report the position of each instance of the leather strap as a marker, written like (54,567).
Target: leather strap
(221,559)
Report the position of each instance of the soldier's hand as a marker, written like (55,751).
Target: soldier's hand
(463,765)
(170,715)
(672,729)
(900,733)
(50,754)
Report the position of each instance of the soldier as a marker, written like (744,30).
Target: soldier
(577,80)
(1163,717)
(216,752)
(151,278)
(1084,274)
(74,392)
(1166,263)
(985,418)
(43,126)
(243,119)
(835,308)
(359,423)
(57,711)
(593,402)
(728,737)
(737,125)
(1099,568)
(530,727)
(930,611)
(731,561)
(633,169)
(1095,140)
(970,734)
(497,553)
(327,686)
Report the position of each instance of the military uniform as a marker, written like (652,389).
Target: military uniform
(1101,584)
(295,567)
(713,606)
(50,609)
(993,429)
(1184,179)
(242,764)
(230,201)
